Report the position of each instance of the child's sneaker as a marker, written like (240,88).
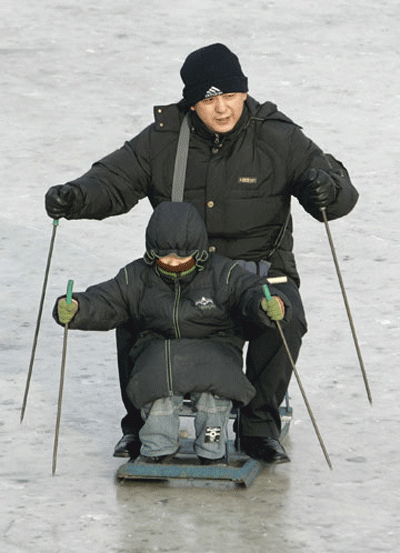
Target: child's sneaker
(143,459)
(222,461)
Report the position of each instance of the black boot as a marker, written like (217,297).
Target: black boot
(268,450)
(128,446)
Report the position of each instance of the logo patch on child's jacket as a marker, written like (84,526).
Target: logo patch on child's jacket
(212,434)
(205,303)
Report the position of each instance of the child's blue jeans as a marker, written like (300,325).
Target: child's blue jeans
(160,432)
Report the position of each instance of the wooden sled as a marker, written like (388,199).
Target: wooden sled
(241,469)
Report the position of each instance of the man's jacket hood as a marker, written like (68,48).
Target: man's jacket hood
(176,227)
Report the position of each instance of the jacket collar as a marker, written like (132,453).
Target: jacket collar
(185,276)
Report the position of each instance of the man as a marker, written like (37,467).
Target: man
(245,162)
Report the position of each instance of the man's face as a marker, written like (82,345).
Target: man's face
(221,113)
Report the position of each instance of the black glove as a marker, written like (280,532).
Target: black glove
(320,189)
(60,200)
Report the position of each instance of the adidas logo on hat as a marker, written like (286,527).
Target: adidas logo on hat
(213,91)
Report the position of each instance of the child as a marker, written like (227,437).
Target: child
(187,306)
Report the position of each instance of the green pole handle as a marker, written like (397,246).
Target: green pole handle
(267,292)
(69,291)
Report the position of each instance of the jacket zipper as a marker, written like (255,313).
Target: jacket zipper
(169,366)
(175,321)
(175,317)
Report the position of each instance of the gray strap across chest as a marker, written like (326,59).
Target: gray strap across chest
(178,182)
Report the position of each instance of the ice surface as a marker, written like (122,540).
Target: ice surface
(78,79)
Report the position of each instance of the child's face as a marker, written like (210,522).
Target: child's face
(174,260)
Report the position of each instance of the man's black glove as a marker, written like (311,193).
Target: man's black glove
(61,200)
(320,189)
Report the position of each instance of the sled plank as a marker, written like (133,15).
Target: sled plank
(241,470)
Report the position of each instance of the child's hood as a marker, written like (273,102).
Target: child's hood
(176,227)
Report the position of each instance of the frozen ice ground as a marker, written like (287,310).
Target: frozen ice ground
(78,78)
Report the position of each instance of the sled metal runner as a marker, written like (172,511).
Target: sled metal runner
(241,469)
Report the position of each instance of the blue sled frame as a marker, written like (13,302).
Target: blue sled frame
(241,469)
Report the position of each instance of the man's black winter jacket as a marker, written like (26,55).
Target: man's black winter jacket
(241,182)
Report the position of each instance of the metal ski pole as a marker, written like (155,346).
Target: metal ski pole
(346,303)
(39,317)
(60,394)
(296,373)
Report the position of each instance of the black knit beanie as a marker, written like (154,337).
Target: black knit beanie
(211,71)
